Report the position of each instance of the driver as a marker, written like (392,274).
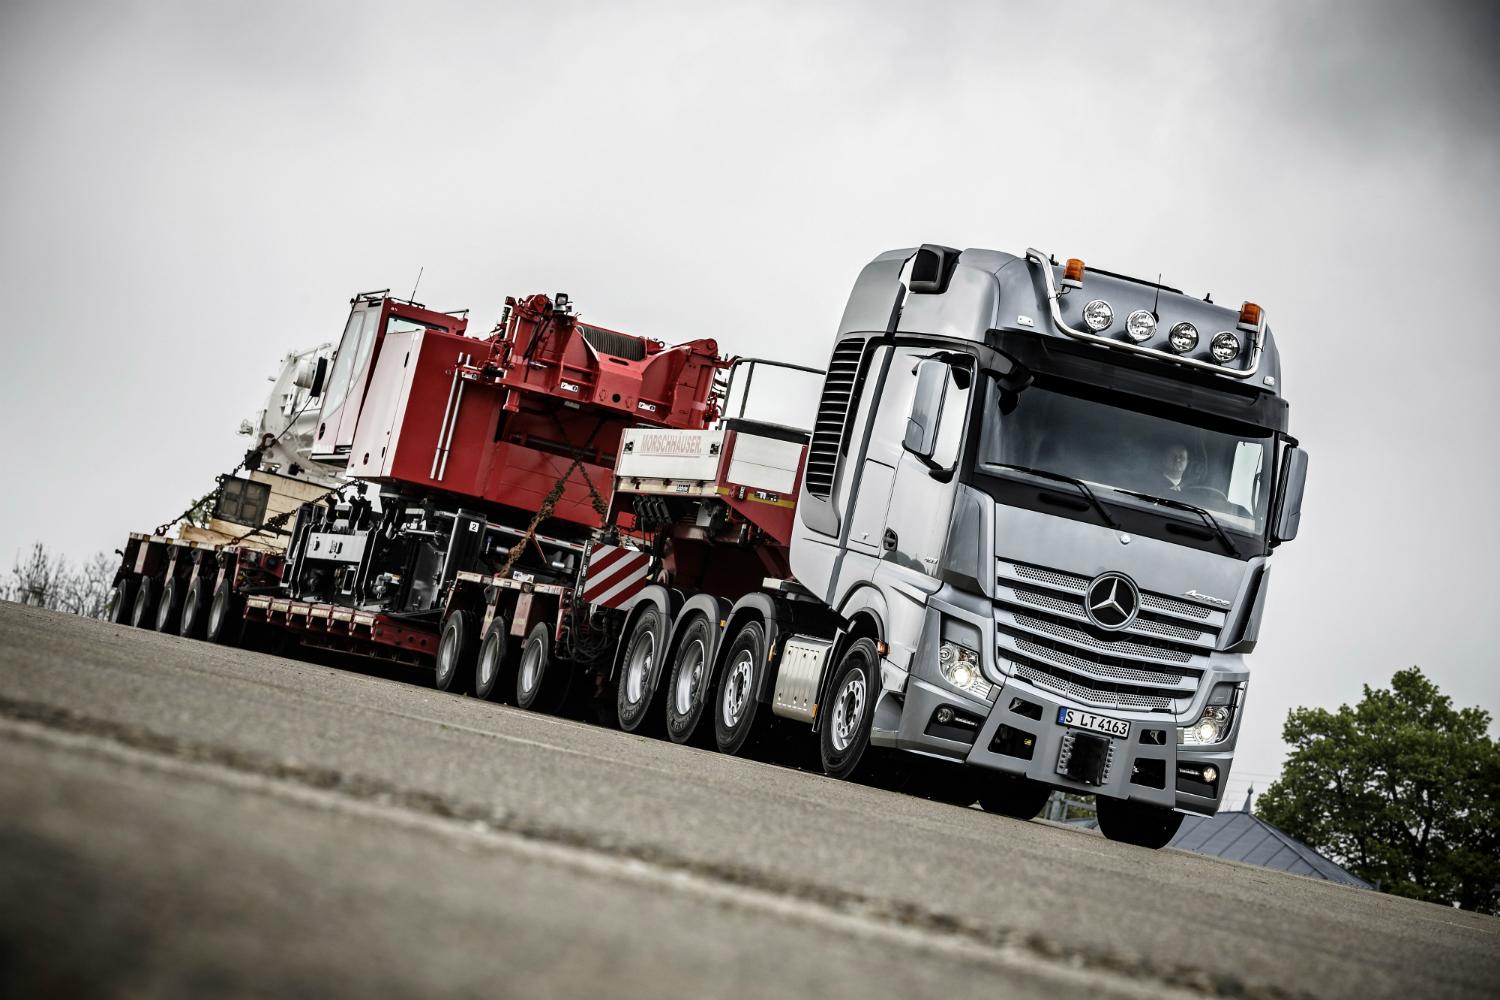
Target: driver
(1174,465)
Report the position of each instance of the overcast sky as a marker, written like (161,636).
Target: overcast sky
(187,191)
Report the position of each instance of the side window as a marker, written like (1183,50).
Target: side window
(896,395)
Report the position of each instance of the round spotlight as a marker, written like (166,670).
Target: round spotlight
(1140,326)
(1210,774)
(1183,337)
(1098,315)
(1225,347)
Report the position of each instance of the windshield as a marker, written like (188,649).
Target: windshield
(1114,447)
(353,352)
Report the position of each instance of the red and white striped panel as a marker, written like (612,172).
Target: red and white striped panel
(615,575)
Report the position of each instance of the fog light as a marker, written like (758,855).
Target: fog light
(945,715)
(1098,315)
(1140,325)
(1183,337)
(1225,347)
(1210,775)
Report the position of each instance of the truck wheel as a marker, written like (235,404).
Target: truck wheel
(122,604)
(143,611)
(221,627)
(845,735)
(1008,795)
(531,672)
(455,654)
(737,707)
(689,681)
(194,606)
(494,660)
(169,606)
(635,687)
(1137,823)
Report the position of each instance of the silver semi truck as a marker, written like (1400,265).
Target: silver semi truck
(1031,539)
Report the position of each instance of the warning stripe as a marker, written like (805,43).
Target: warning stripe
(615,575)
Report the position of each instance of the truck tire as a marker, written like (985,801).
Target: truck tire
(455,653)
(736,709)
(123,602)
(1009,795)
(845,735)
(642,653)
(531,671)
(690,680)
(494,661)
(169,606)
(143,611)
(194,609)
(1137,823)
(223,624)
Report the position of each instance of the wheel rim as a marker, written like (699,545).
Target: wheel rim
(487,658)
(446,653)
(737,687)
(138,613)
(689,677)
(189,610)
(531,666)
(638,669)
(848,711)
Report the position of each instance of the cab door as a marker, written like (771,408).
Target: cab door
(345,388)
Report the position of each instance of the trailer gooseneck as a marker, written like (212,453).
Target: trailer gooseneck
(1025,540)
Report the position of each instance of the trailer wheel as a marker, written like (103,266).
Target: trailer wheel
(143,611)
(689,681)
(122,604)
(455,654)
(493,660)
(169,606)
(634,690)
(221,620)
(736,710)
(1009,795)
(1136,822)
(531,672)
(845,735)
(194,605)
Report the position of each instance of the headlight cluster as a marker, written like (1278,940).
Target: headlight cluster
(1217,719)
(1140,326)
(959,666)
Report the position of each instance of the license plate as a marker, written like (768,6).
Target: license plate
(1088,720)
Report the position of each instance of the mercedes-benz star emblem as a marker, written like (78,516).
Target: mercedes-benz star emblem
(1113,601)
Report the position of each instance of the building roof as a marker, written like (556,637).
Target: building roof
(1243,836)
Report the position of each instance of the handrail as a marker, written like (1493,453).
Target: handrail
(1150,352)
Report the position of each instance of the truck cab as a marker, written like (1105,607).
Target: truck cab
(1052,493)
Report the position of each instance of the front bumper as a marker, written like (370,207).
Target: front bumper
(1020,735)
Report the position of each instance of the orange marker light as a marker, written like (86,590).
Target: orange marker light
(1074,270)
(1250,314)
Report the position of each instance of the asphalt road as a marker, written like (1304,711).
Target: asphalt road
(183,819)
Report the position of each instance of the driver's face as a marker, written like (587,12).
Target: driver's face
(1177,460)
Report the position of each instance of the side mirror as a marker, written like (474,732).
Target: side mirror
(319,375)
(926,409)
(1289,509)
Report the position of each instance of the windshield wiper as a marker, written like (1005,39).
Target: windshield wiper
(1207,518)
(1059,477)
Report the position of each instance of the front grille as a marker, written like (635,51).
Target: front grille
(1074,606)
(1099,694)
(1123,647)
(1105,667)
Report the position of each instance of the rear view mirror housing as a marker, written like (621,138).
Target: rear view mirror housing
(320,375)
(1289,503)
(926,409)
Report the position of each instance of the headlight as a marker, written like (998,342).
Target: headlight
(1217,718)
(959,666)
(1226,347)
(1098,315)
(1183,337)
(1140,325)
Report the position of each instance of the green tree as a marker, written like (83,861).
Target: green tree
(1402,789)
